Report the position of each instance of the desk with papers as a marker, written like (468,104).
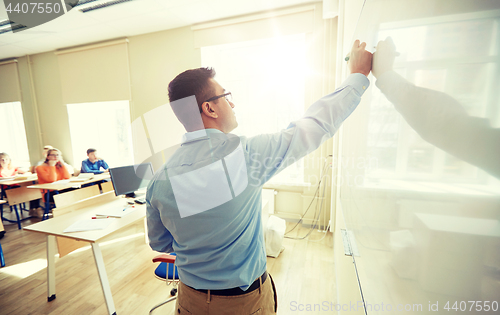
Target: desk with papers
(88,208)
(64,184)
(16,180)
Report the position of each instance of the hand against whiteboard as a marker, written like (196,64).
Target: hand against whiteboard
(383,57)
(360,60)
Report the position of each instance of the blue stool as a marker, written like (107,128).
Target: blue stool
(165,272)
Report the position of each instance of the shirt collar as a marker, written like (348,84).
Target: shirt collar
(198,135)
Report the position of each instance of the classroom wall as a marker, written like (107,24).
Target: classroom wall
(154,60)
(30,110)
(52,113)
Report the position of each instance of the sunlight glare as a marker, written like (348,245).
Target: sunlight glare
(25,269)
(108,242)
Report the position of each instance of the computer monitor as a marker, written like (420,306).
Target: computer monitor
(127,179)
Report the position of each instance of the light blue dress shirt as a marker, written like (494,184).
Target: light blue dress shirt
(205,203)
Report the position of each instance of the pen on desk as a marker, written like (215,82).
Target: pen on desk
(127,207)
(100,217)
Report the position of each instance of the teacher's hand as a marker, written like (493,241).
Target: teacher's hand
(360,60)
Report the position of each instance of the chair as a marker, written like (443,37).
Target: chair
(66,245)
(165,272)
(73,196)
(107,186)
(2,232)
(18,196)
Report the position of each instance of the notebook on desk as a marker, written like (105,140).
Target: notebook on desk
(23,177)
(82,177)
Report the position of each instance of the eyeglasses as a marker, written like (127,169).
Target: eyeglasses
(228,96)
(53,154)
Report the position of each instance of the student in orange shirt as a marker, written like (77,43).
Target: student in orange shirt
(53,169)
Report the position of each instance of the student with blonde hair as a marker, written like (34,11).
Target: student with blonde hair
(6,168)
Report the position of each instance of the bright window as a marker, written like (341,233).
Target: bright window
(14,141)
(267,80)
(104,126)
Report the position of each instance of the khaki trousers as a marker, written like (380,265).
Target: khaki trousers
(260,301)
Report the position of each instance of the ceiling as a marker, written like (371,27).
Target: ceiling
(123,20)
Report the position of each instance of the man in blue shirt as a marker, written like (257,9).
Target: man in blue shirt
(93,164)
(205,203)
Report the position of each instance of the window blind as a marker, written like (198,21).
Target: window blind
(95,73)
(258,26)
(10,90)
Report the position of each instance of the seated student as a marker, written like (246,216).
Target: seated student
(6,168)
(53,169)
(44,153)
(93,164)
(35,209)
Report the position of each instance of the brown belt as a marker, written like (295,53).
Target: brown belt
(236,291)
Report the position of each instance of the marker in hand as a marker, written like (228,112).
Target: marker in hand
(348,55)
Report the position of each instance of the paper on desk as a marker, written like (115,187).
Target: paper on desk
(88,225)
(116,212)
(82,177)
(26,176)
(62,181)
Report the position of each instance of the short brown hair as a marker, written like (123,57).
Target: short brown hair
(192,82)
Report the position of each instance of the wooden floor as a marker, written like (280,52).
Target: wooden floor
(303,273)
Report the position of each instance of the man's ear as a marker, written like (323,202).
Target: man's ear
(209,110)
